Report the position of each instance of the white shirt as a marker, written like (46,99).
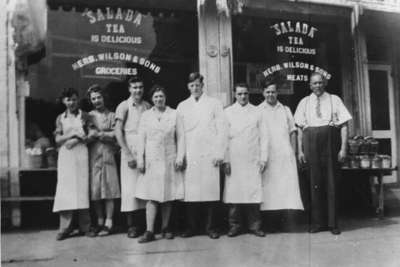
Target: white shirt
(331,107)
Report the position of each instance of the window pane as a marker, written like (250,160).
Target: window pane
(257,47)
(378,85)
(106,46)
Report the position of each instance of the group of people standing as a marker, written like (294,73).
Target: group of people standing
(169,155)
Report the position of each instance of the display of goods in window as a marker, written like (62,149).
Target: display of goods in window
(376,162)
(34,158)
(386,161)
(51,157)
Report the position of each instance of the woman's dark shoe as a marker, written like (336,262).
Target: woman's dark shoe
(213,234)
(133,232)
(91,233)
(105,230)
(147,237)
(167,234)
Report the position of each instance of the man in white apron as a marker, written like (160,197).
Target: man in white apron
(322,120)
(245,161)
(127,117)
(203,123)
(281,191)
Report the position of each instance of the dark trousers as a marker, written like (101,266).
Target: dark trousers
(321,148)
(67,216)
(196,211)
(251,212)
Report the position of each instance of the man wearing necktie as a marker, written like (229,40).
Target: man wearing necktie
(322,120)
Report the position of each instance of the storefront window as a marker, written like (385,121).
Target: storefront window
(286,49)
(105,46)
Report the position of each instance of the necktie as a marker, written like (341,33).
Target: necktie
(318,108)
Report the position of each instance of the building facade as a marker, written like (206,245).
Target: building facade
(353,43)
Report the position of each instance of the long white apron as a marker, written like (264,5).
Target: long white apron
(129,177)
(243,153)
(203,123)
(280,180)
(72,190)
(161,182)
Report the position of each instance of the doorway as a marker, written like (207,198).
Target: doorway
(382,115)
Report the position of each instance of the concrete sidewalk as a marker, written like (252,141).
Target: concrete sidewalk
(365,241)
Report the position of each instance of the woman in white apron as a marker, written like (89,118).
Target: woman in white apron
(160,156)
(72,192)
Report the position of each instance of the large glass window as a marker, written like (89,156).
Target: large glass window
(286,49)
(107,45)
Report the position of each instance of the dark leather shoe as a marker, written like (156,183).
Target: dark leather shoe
(315,229)
(187,233)
(234,231)
(335,231)
(167,234)
(62,236)
(213,235)
(133,232)
(258,232)
(105,230)
(147,237)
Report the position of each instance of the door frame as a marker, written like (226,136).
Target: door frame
(394,178)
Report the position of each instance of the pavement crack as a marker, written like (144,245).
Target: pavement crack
(21,260)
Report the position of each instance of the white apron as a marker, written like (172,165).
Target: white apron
(244,154)
(72,190)
(129,176)
(203,125)
(280,180)
(160,182)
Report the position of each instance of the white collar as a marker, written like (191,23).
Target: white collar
(321,97)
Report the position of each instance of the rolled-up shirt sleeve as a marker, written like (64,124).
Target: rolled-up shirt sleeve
(300,114)
(58,130)
(121,111)
(342,114)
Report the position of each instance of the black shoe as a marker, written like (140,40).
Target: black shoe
(335,231)
(234,231)
(213,234)
(167,234)
(133,232)
(62,236)
(105,230)
(258,232)
(316,229)
(91,233)
(147,237)
(188,233)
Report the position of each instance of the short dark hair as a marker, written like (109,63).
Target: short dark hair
(135,79)
(157,88)
(270,81)
(69,92)
(195,76)
(245,85)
